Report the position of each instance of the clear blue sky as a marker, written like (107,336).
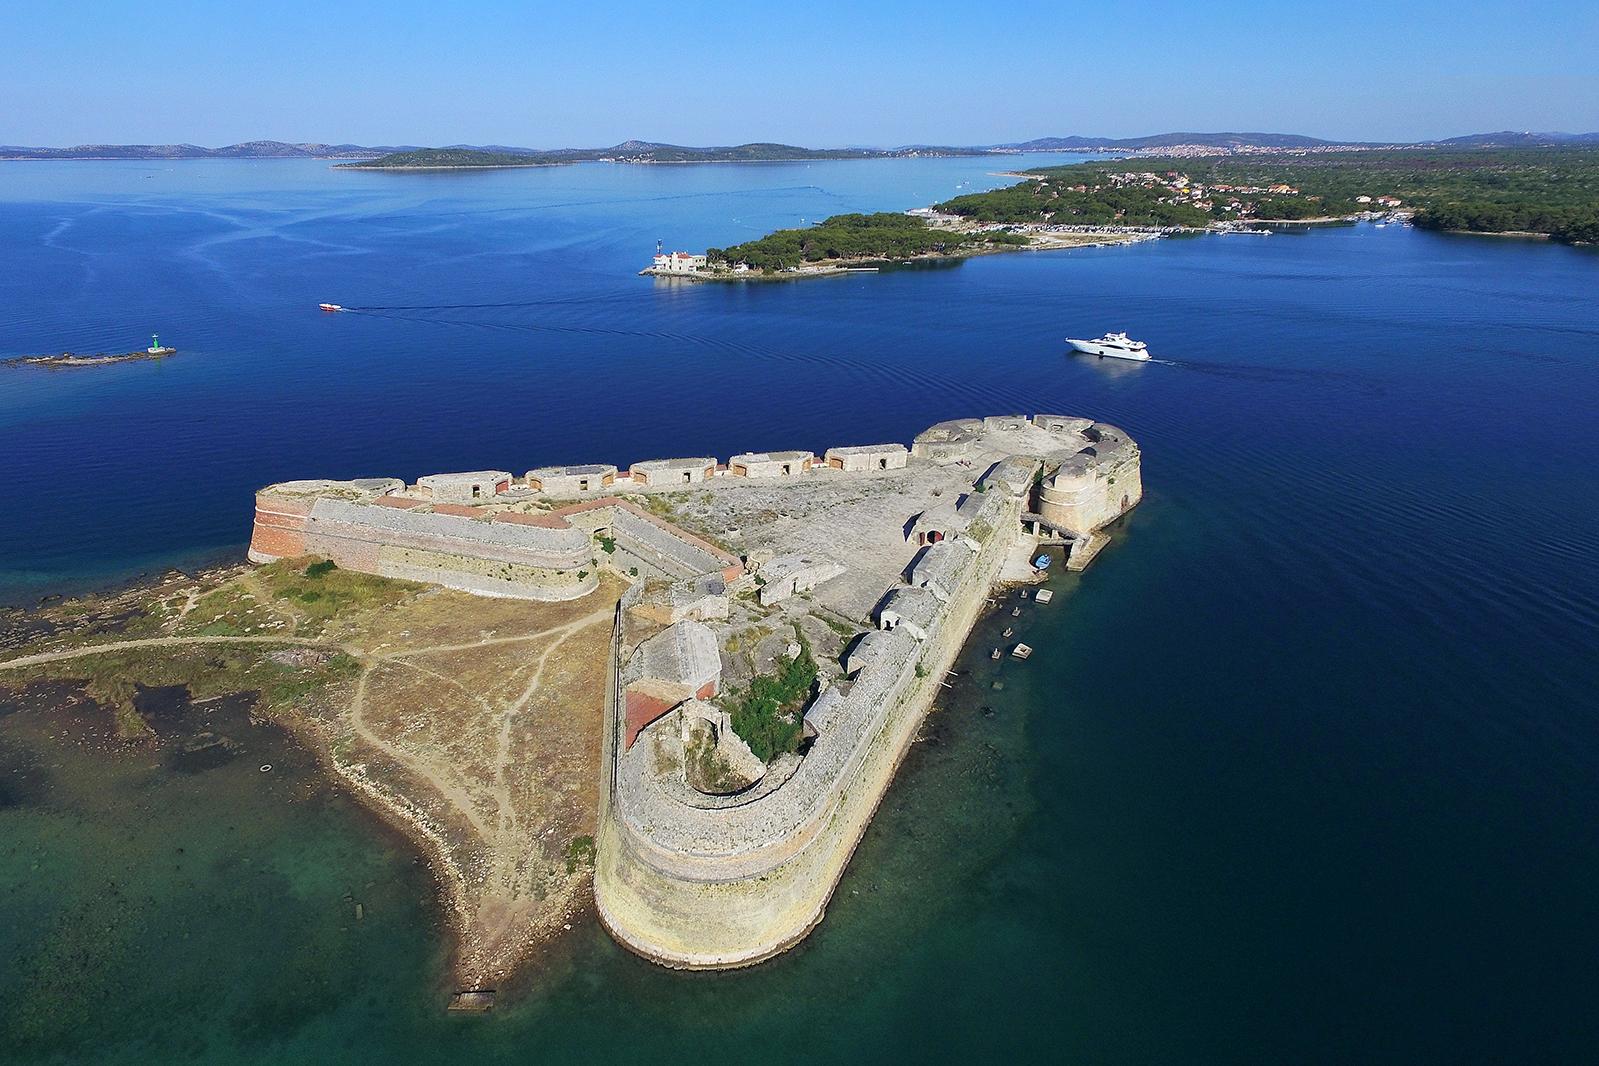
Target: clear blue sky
(818,73)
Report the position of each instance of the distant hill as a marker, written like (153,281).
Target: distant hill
(1284,141)
(246,150)
(1509,139)
(636,152)
(1167,140)
(448,159)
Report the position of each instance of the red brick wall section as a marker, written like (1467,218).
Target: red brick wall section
(279,528)
(642,709)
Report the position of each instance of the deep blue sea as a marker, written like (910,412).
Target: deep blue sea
(1305,768)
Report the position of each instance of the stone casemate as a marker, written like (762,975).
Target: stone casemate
(657,472)
(770,464)
(857,458)
(469,487)
(571,480)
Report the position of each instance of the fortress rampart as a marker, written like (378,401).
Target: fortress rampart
(709,885)
(1097,485)
(726,875)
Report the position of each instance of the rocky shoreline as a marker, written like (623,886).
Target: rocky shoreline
(69,360)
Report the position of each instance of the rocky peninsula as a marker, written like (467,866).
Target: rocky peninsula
(71,360)
(678,691)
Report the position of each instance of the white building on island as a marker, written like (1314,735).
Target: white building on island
(677,263)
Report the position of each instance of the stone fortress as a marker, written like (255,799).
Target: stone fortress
(881,555)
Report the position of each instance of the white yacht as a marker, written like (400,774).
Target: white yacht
(1112,346)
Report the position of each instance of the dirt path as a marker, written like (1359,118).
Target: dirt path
(502,756)
(457,796)
(162,642)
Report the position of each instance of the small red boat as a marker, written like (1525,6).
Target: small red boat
(330,307)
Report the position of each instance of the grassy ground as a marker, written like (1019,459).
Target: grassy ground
(473,723)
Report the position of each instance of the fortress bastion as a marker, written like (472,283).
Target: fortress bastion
(705,860)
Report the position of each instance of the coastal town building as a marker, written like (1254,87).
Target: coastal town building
(677,263)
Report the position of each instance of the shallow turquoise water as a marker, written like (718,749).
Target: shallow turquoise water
(1303,769)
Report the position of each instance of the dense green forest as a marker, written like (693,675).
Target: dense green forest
(445,157)
(1052,199)
(885,235)
(1536,190)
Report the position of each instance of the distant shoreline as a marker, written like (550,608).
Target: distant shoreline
(453,166)
(832,268)
(634,162)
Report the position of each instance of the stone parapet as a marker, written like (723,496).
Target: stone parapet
(1097,485)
